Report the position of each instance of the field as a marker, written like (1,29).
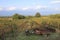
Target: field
(14,29)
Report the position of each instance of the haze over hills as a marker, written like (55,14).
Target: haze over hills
(26,13)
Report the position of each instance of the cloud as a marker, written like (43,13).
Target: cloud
(54,2)
(24,8)
(33,7)
(1,9)
(57,9)
(36,7)
(40,7)
(53,9)
(11,8)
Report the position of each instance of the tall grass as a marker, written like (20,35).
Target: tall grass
(13,28)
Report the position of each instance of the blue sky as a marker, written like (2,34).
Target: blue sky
(29,7)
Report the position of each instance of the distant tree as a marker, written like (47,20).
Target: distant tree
(37,14)
(17,16)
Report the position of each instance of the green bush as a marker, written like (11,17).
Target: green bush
(17,16)
(37,14)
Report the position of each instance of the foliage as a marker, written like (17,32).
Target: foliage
(28,17)
(37,14)
(55,16)
(14,27)
(17,16)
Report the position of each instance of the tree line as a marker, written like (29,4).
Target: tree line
(18,16)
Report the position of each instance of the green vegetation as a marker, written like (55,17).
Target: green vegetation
(17,16)
(55,16)
(37,14)
(14,29)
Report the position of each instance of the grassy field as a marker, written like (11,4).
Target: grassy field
(22,36)
(13,28)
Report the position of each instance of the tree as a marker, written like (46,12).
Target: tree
(17,16)
(37,14)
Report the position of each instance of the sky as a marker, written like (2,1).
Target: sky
(29,7)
